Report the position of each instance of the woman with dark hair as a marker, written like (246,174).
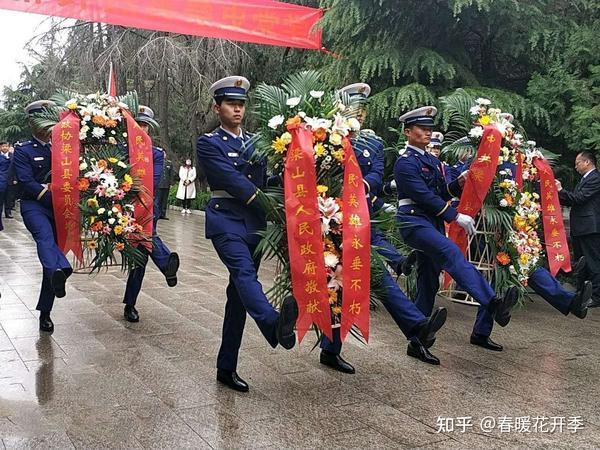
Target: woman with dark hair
(186,191)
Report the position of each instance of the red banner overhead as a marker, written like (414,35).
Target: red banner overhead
(258,21)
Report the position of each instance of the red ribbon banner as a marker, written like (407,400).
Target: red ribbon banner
(258,21)
(554,228)
(140,157)
(65,173)
(356,250)
(478,182)
(305,242)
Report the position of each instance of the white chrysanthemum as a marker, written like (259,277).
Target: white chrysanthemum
(316,94)
(98,132)
(483,101)
(476,132)
(475,110)
(293,101)
(83,166)
(531,143)
(503,203)
(331,260)
(101,211)
(354,124)
(112,220)
(275,121)
(122,164)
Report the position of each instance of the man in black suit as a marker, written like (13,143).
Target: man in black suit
(584,201)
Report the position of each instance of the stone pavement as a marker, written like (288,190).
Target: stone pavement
(99,382)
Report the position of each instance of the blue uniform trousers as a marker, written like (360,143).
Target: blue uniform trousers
(39,220)
(438,253)
(244,294)
(404,312)
(546,286)
(3,207)
(389,252)
(160,255)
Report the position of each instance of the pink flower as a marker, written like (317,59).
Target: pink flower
(337,281)
(120,194)
(106,229)
(100,190)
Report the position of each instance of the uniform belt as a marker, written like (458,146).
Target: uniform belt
(220,194)
(405,201)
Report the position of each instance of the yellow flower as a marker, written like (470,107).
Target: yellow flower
(321,189)
(335,139)
(524,258)
(336,310)
(124,220)
(92,202)
(113,160)
(92,219)
(339,155)
(128,179)
(118,229)
(485,120)
(92,244)
(71,105)
(278,145)
(286,138)
(319,149)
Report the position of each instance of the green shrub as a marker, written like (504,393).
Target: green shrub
(202,198)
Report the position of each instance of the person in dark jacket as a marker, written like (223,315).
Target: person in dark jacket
(584,201)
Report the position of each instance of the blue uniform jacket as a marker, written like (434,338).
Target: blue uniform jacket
(32,161)
(4,171)
(419,178)
(226,163)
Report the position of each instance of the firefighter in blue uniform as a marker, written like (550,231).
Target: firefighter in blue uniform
(423,208)
(233,219)
(540,281)
(166,261)
(32,163)
(414,324)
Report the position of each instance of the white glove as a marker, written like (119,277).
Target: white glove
(466,222)
(389,208)
(464,174)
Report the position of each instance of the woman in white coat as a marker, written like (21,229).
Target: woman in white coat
(186,191)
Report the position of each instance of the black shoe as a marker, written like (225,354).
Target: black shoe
(579,271)
(594,303)
(164,218)
(59,278)
(336,362)
(409,262)
(420,352)
(232,380)
(287,321)
(502,307)
(579,305)
(485,342)
(46,323)
(172,268)
(426,334)
(131,314)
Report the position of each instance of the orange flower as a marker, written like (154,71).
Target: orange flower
(119,246)
(99,120)
(119,207)
(102,164)
(97,226)
(111,123)
(336,310)
(293,122)
(126,187)
(320,134)
(503,258)
(508,199)
(84,184)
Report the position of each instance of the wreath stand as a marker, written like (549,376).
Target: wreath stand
(478,254)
